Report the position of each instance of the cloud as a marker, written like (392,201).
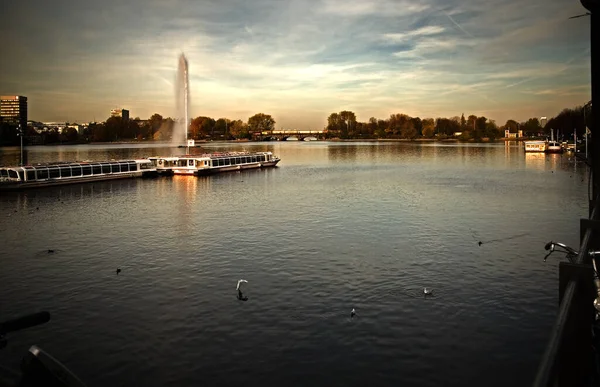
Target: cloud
(433,57)
(405,36)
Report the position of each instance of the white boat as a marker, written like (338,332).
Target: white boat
(292,138)
(554,147)
(310,138)
(59,173)
(210,163)
(535,146)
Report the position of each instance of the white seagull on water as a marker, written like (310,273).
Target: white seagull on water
(427,292)
(239,283)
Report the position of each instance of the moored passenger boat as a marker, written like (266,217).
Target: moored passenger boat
(59,173)
(554,147)
(210,163)
(535,146)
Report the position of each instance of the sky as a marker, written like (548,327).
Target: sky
(298,61)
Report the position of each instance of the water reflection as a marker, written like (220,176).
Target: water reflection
(535,161)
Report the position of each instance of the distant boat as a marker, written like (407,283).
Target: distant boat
(554,147)
(310,139)
(210,163)
(292,138)
(535,146)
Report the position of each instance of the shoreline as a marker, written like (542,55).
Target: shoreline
(200,143)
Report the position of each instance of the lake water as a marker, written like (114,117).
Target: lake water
(335,226)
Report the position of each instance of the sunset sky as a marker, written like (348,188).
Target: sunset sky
(297,60)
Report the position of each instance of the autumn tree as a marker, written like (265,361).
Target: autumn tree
(155,121)
(428,127)
(201,127)
(341,124)
(238,129)
(261,123)
(220,128)
(492,131)
(512,126)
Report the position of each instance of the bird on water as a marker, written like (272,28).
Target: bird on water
(352,313)
(240,295)
(118,270)
(427,292)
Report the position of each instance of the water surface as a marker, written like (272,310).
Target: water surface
(336,226)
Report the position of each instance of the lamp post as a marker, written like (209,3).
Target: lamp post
(585,129)
(21,135)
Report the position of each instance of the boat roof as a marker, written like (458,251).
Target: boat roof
(72,163)
(214,155)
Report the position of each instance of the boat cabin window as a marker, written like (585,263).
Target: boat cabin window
(191,163)
(96,169)
(86,170)
(54,173)
(30,174)
(42,173)
(124,167)
(65,171)
(76,170)
(115,168)
(3,173)
(13,174)
(132,167)
(105,168)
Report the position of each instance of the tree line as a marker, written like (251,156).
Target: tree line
(156,128)
(339,125)
(402,126)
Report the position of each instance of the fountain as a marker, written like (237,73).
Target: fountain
(182,100)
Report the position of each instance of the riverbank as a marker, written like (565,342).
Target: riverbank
(199,142)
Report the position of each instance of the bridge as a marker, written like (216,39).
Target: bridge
(284,134)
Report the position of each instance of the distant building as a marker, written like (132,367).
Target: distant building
(53,125)
(13,110)
(509,134)
(543,121)
(123,113)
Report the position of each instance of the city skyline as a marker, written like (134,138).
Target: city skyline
(298,61)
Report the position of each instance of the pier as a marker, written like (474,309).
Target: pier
(570,358)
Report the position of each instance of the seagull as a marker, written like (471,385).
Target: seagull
(239,283)
(118,271)
(480,243)
(353,313)
(427,292)
(50,251)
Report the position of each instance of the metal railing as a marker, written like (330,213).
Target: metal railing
(568,359)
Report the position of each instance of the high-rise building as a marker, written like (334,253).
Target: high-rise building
(123,113)
(13,110)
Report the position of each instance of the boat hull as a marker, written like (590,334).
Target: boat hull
(231,168)
(19,186)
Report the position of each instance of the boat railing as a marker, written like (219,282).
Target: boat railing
(569,358)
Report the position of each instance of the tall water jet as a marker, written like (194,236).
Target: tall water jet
(182,101)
